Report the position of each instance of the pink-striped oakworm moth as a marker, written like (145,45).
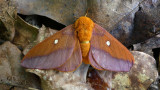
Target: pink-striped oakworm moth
(84,41)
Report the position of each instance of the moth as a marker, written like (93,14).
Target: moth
(84,41)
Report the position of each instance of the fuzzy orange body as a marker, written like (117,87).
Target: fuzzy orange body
(84,27)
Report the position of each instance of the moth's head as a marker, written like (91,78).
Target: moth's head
(84,22)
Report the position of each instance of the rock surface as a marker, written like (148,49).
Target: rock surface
(51,80)
(140,77)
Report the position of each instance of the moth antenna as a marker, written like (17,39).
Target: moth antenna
(86,12)
(86,15)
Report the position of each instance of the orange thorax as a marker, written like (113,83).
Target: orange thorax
(84,27)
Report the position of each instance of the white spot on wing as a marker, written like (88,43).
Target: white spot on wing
(108,43)
(56,41)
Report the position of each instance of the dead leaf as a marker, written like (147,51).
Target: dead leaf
(11,73)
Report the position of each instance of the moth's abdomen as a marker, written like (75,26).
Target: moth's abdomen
(84,27)
(85,50)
